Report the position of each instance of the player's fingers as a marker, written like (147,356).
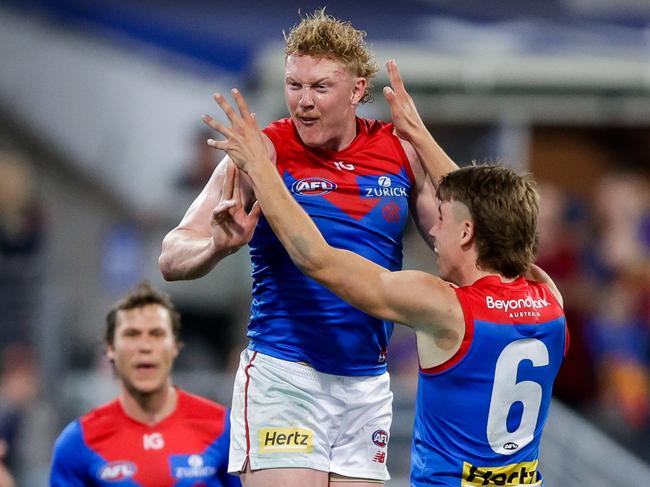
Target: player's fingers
(256,211)
(394,76)
(228,182)
(241,104)
(389,94)
(236,195)
(218,126)
(221,213)
(218,144)
(225,106)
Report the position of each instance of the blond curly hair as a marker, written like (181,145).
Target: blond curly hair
(320,34)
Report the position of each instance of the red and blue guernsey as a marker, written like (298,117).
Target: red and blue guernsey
(106,448)
(359,199)
(480,416)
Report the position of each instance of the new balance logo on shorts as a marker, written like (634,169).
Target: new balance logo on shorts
(299,440)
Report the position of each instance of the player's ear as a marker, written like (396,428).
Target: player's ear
(467,232)
(110,353)
(178,346)
(360,87)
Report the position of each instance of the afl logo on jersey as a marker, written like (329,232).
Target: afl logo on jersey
(510,446)
(380,438)
(312,186)
(115,471)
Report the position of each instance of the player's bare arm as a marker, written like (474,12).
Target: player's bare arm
(196,245)
(410,127)
(410,297)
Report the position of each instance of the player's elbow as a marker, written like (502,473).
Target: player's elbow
(166,261)
(166,268)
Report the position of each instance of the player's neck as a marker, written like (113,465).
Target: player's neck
(149,408)
(476,273)
(345,137)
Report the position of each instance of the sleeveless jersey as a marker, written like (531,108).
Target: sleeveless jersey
(107,448)
(358,198)
(479,416)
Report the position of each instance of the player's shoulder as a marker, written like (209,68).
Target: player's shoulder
(281,126)
(105,412)
(203,415)
(101,421)
(70,438)
(375,127)
(199,406)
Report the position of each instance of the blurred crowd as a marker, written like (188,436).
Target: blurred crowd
(21,238)
(597,250)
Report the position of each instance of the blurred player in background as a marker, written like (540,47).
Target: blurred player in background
(312,403)
(491,336)
(6,479)
(153,434)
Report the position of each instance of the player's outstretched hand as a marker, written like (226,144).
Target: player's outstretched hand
(406,118)
(230,222)
(242,140)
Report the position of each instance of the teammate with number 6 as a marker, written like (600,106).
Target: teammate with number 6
(491,332)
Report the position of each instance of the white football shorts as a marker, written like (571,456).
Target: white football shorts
(288,415)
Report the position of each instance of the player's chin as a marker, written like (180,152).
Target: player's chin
(147,386)
(311,136)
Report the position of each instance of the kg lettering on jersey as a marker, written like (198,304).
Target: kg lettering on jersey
(153,441)
(340,165)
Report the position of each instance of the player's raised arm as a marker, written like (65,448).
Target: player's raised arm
(410,127)
(405,297)
(196,245)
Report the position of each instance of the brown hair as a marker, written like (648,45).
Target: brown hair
(143,295)
(504,207)
(320,34)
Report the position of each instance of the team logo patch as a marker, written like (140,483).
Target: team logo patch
(390,212)
(191,466)
(118,470)
(274,440)
(312,186)
(380,438)
(524,473)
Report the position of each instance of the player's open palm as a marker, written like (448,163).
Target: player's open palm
(403,111)
(243,139)
(232,226)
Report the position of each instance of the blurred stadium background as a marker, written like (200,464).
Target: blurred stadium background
(101,151)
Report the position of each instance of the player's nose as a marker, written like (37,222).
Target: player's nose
(306,99)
